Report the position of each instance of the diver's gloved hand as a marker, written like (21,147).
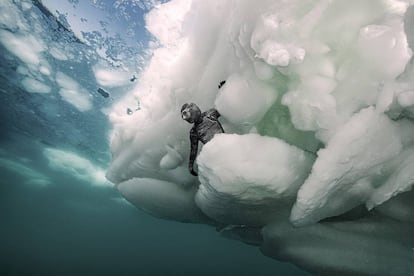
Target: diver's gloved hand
(193,172)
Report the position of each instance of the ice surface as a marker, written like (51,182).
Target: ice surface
(249,179)
(244,100)
(349,169)
(326,86)
(163,199)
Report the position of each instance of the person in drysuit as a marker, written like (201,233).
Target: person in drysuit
(206,125)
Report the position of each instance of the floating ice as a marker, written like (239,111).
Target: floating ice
(328,82)
(27,48)
(111,78)
(73,93)
(57,54)
(76,166)
(35,86)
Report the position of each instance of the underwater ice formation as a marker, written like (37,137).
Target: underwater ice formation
(316,163)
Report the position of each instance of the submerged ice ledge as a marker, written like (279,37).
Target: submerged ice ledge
(244,180)
(316,163)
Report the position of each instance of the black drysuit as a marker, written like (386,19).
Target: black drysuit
(204,129)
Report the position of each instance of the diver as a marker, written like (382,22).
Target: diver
(206,125)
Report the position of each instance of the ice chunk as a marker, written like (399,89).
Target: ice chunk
(398,6)
(162,199)
(34,86)
(73,93)
(171,160)
(359,246)
(274,54)
(406,99)
(78,99)
(311,106)
(263,71)
(27,48)
(171,16)
(400,180)
(270,40)
(349,169)
(148,147)
(111,78)
(11,18)
(244,100)
(375,40)
(57,54)
(249,179)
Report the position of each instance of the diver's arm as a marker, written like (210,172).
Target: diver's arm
(213,113)
(193,152)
